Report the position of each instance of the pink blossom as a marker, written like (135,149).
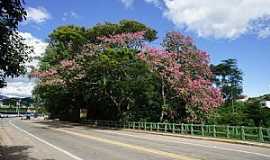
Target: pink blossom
(44,74)
(125,39)
(67,63)
(187,72)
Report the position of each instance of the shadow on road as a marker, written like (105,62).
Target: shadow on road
(16,153)
(65,124)
(58,124)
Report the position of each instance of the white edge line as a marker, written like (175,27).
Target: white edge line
(200,145)
(47,143)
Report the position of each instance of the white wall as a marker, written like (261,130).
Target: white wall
(267,104)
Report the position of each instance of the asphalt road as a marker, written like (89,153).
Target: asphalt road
(44,140)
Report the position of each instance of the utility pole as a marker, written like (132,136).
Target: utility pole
(18,107)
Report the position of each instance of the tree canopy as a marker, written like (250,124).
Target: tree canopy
(66,41)
(109,70)
(228,77)
(13,52)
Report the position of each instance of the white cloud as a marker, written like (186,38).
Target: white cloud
(23,86)
(38,46)
(18,87)
(37,15)
(70,14)
(127,3)
(157,3)
(220,19)
(264,33)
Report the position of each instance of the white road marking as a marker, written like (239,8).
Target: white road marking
(45,142)
(187,143)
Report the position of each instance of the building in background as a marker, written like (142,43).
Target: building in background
(265,104)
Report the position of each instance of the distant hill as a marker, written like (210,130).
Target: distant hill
(3,97)
(262,98)
(13,101)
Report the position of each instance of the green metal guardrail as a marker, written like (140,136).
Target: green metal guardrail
(257,134)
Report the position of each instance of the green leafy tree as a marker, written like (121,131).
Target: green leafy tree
(228,77)
(66,41)
(257,112)
(124,26)
(13,52)
(111,83)
(120,86)
(106,95)
(225,116)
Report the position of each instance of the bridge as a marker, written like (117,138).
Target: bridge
(56,140)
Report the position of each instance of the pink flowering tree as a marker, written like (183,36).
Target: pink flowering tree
(62,74)
(185,70)
(128,40)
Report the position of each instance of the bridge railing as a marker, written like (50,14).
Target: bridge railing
(258,134)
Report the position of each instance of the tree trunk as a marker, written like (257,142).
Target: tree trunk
(163,98)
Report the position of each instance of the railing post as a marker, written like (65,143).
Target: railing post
(182,128)
(243,137)
(158,127)
(202,129)
(133,125)
(214,131)
(165,127)
(145,126)
(173,128)
(227,131)
(191,129)
(260,134)
(151,127)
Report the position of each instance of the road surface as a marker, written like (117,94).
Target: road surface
(45,140)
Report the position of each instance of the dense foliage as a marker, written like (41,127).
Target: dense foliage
(115,76)
(13,52)
(228,77)
(237,111)
(247,113)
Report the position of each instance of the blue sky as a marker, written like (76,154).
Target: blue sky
(225,29)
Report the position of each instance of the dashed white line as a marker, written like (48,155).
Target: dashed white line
(47,143)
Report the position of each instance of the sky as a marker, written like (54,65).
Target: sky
(238,29)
